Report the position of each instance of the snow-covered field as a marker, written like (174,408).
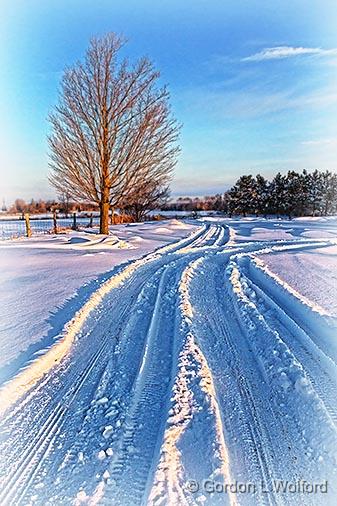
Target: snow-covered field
(171,363)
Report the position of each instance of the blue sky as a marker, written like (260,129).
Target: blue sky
(253,82)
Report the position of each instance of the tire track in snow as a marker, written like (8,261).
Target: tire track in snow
(90,433)
(32,460)
(319,367)
(293,394)
(316,322)
(37,449)
(263,450)
(225,359)
(58,407)
(129,403)
(142,426)
(12,391)
(170,477)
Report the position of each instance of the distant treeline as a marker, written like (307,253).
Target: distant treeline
(292,194)
(40,206)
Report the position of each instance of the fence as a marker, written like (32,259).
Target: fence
(27,226)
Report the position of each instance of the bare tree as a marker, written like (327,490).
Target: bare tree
(19,206)
(112,128)
(145,198)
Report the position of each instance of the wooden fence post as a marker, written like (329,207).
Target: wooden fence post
(54,222)
(28,229)
(74,227)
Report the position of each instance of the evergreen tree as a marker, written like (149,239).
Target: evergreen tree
(277,195)
(329,193)
(315,193)
(262,197)
(243,196)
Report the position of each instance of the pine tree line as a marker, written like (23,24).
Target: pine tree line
(292,194)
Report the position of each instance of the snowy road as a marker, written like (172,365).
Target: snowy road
(193,363)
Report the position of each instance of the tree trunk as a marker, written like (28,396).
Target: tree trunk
(104,214)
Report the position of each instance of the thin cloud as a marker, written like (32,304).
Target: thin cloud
(320,142)
(254,101)
(279,52)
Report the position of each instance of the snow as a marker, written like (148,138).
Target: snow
(108,429)
(312,273)
(44,280)
(207,353)
(101,455)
